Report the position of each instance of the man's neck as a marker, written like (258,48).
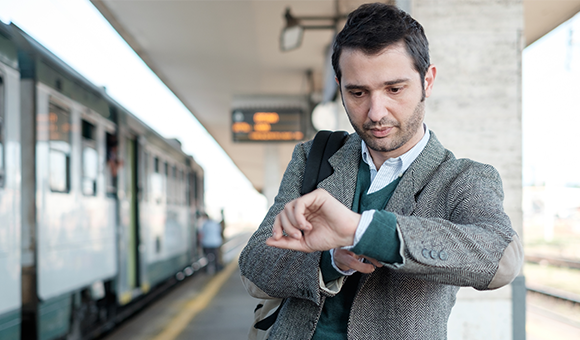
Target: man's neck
(379,157)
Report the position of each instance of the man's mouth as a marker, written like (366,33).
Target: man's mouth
(379,132)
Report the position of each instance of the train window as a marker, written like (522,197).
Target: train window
(89,131)
(157,245)
(174,186)
(60,148)
(193,187)
(188,189)
(156,182)
(2,106)
(181,187)
(184,186)
(145,191)
(90,166)
(90,159)
(167,183)
(113,162)
(198,188)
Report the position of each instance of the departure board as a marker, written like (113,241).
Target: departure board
(266,125)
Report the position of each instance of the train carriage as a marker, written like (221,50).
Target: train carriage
(109,207)
(10,222)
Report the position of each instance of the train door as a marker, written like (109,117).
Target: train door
(193,183)
(10,185)
(133,265)
(129,278)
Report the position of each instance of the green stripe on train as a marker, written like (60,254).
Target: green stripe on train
(54,317)
(159,271)
(10,325)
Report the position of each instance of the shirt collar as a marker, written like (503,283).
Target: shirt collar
(405,159)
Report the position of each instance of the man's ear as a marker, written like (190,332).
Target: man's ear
(430,79)
(337,81)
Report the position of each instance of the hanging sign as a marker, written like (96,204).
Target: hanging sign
(266,125)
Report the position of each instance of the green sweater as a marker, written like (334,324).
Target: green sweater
(380,241)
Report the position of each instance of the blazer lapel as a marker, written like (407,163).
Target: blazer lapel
(341,184)
(345,162)
(416,177)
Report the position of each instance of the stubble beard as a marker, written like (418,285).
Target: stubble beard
(403,131)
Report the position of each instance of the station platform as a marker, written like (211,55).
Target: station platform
(202,307)
(217,307)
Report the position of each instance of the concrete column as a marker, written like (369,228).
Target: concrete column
(475,111)
(271,172)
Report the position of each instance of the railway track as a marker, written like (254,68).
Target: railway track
(549,291)
(554,294)
(561,308)
(555,304)
(553,261)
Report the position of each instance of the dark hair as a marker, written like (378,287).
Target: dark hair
(373,27)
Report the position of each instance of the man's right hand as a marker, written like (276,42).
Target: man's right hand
(315,221)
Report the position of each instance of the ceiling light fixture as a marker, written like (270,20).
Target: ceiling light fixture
(291,37)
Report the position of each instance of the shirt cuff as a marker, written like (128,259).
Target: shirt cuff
(363,224)
(365,220)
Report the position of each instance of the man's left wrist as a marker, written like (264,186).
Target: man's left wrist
(353,222)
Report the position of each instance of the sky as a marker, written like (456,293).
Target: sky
(78,34)
(551,109)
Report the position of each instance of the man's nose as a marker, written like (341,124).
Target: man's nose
(379,108)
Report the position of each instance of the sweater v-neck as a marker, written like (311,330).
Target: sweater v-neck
(333,321)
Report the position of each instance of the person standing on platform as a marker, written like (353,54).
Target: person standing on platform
(211,241)
(381,248)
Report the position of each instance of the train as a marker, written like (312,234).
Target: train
(97,210)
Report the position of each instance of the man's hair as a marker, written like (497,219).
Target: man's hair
(373,27)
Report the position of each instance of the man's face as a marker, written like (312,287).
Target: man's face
(383,96)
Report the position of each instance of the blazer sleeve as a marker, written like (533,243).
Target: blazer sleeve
(459,234)
(279,272)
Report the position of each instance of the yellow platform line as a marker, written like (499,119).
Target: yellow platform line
(196,305)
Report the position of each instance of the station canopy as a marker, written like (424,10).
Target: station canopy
(209,52)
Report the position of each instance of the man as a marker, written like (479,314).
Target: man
(380,249)
(211,241)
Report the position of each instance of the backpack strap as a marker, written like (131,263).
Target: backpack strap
(313,161)
(325,144)
(267,322)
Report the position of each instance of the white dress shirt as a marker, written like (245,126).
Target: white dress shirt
(388,172)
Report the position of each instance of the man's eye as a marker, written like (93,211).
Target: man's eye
(396,89)
(356,94)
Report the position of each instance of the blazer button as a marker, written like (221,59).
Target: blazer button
(443,255)
(425,253)
(433,254)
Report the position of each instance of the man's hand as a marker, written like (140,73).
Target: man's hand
(316,221)
(346,260)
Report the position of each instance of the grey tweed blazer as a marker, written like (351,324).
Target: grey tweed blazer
(453,232)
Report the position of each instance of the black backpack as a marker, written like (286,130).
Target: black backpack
(325,144)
